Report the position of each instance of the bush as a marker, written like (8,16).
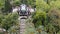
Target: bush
(39,18)
(9,20)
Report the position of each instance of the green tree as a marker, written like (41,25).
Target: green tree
(41,5)
(8,6)
(9,20)
(55,4)
(2,3)
(15,2)
(39,18)
(54,16)
(31,2)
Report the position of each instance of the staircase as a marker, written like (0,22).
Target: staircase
(22,26)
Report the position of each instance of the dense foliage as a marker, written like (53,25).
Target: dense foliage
(48,16)
(46,19)
(6,21)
